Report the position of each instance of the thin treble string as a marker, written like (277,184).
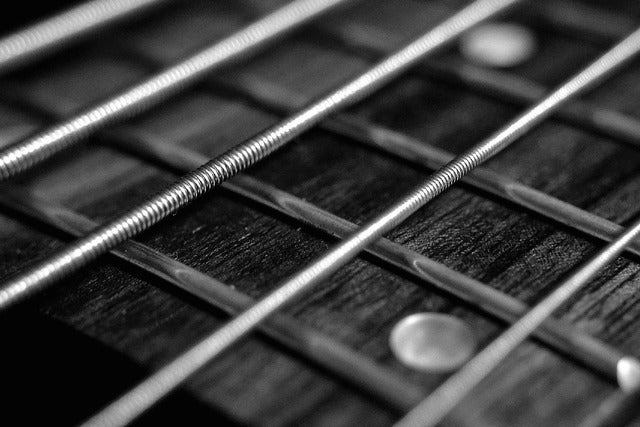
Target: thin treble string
(435,407)
(220,169)
(166,379)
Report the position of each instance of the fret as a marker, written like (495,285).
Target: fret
(563,338)
(366,42)
(144,395)
(504,86)
(221,168)
(439,403)
(421,153)
(355,368)
(277,100)
(193,185)
(26,154)
(51,34)
(584,22)
(280,101)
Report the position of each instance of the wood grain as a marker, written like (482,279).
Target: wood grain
(99,331)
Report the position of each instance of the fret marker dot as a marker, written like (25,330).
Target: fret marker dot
(628,374)
(498,45)
(432,342)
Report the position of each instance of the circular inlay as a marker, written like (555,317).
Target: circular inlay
(628,374)
(432,342)
(498,44)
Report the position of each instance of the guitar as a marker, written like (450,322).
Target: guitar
(482,252)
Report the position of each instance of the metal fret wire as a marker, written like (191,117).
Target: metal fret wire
(400,145)
(362,40)
(278,100)
(166,379)
(589,351)
(561,336)
(424,154)
(48,35)
(377,131)
(346,364)
(206,177)
(416,151)
(25,154)
(564,338)
(198,182)
(435,407)
(490,82)
(1,51)
(500,85)
(510,87)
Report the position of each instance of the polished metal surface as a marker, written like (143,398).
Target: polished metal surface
(144,95)
(424,154)
(628,373)
(166,379)
(210,175)
(49,35)
(559,335)
(435,407)
(497,84)
(593,353)
(432,342)
(498,44)
(347,364)
(198,182)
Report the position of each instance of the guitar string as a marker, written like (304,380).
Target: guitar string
(505,86)
(200,181)
(47,36)
(278,100)
(623,126)
(166,379)
(620,408)
(361,372)
(574,343)
(585,22)
(449,394)
(193,185)
(423,154)
(415,151)
(366,42)
(612,31)
(566,340)
(371,43)
(151,91)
